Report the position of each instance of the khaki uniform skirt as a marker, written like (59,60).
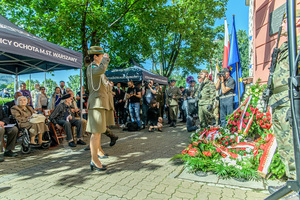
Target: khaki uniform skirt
(96,122)
(110,118)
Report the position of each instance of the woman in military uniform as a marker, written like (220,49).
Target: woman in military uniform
(98,103)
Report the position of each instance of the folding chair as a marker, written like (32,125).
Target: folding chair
(59,133)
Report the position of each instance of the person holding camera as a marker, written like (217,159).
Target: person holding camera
(173,94)
(148,93)
(206,96)
(225,85)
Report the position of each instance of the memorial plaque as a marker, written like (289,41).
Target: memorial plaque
(276,19)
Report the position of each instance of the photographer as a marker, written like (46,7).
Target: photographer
(148,93)
(225,85)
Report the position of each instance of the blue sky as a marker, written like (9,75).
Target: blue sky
(234,7)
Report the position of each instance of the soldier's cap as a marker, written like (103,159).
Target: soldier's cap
(95,50)
(225,70)
(66,96)
(204,71)
(173,80)
(192,81)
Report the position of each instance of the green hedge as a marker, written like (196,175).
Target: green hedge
(4,100)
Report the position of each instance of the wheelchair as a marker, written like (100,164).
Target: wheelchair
(24,136)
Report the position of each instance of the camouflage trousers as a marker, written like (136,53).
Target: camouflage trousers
(205,116)
(284,136)
(173,112)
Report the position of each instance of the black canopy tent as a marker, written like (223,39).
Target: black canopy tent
(24,53)
(136,74)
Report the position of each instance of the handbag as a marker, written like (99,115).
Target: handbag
(37,118)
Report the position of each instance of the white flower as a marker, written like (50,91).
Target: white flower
(239,167)
(256,90)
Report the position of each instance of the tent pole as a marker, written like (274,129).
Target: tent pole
(30,83)
(80,89)
(16,81)
(45,80)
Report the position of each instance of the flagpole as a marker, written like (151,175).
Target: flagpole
(238,81)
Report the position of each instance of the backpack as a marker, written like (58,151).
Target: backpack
(192,107)
(132,126)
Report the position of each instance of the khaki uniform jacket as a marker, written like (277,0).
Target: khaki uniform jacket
(208,93)
(110,93)
(169,96)
(97,98)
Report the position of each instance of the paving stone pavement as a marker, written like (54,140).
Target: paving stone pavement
(139,167)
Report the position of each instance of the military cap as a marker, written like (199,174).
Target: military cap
(173,80)
(66,96)
(95,50)
(225,70)
(204,71)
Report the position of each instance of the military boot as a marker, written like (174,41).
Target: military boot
(113,138)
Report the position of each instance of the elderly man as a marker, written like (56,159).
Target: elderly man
(11,133)
(63,116)
(34,93)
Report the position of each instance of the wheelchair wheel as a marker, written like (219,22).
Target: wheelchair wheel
(46,145)
(26,149)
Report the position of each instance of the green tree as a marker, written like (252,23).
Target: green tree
(50,86)
(176,34)
(74,83)
(33,82)
(243,43)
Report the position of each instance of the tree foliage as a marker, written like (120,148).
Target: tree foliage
(74,83)
(50,86)
(175,34)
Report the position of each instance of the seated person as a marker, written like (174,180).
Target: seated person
(153,113)
(10,104)
(189,106)
(63,116)
(158,126)
(11,132)
(76,111)
(22,113)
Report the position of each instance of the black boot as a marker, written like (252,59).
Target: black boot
(174,123)
(171,124)
(113,138)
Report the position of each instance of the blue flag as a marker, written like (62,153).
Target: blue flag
(234,66)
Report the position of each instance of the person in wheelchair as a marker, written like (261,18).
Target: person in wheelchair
(23,113)
(190,108)
(11,132)
(64,117)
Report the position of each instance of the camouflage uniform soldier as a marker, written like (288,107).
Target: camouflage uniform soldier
(205,104)
(172,96)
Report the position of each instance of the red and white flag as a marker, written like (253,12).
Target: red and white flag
(226,46)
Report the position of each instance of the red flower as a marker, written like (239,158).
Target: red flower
(268,126)
(231,140)
(193,152)
(239,111)
(246,120)
(245,154)
(247,114)
(218,150)
(206,153)
(220,142)
(226,143)
(268,114)
(223,138)
(224,155)
(234,129)
(234,155)
(263,126)
(244,125)
(243,148)
(184,152)
(269,118)
(265,119)
(262,146)
(190,146)
(227,136)
(195,143)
